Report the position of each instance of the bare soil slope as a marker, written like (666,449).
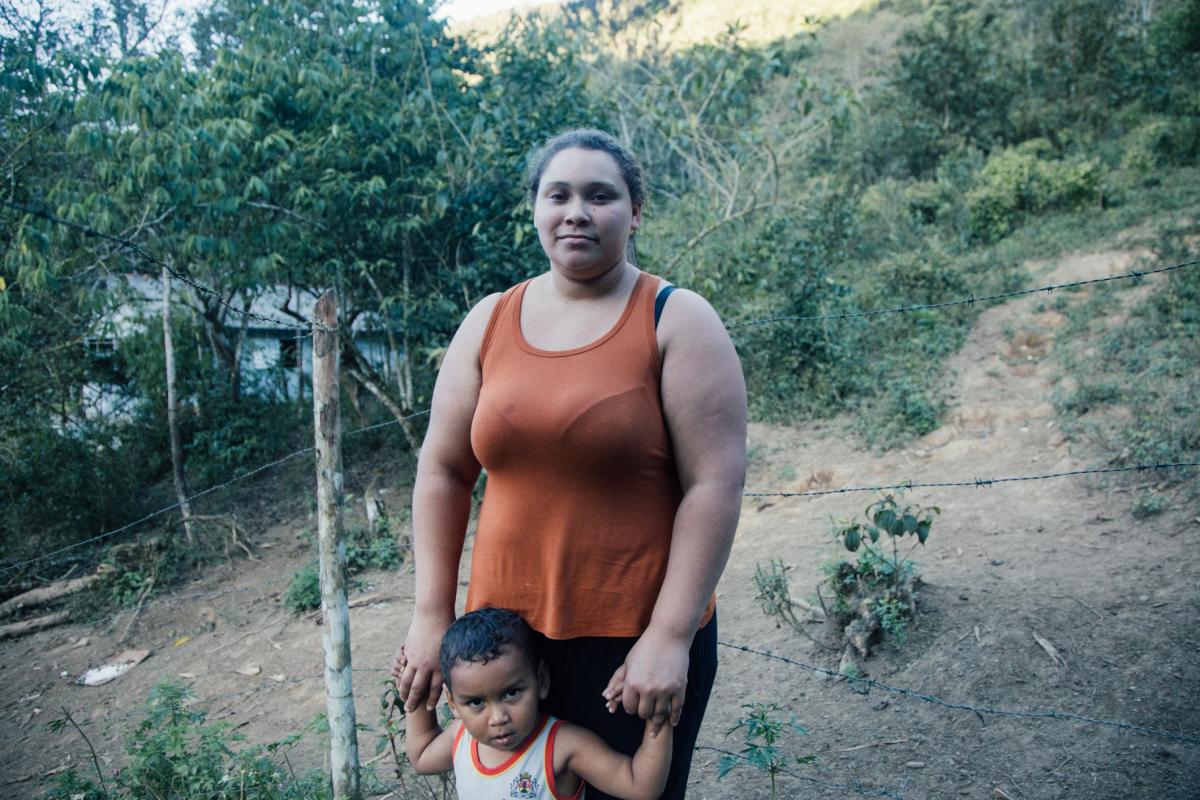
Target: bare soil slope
(1118,598)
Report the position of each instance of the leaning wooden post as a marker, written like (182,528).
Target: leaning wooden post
(335,640)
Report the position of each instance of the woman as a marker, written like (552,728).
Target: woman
(613,428)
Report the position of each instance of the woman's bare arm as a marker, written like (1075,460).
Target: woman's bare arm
(446,473)
(704,399)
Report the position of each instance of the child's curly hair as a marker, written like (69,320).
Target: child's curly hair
(480,635)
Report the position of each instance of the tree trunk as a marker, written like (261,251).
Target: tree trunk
(405,378)
(299,377)
(360,370)
(235,377)
(335,639)
(172,420)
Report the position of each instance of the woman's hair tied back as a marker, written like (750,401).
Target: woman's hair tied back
(587,139)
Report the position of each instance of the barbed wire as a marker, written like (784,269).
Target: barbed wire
(855,787)
(978,483)
(928,698)
(197,495)
(182,277)
(307,328)
(966,301)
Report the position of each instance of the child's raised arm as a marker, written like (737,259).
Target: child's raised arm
(430,749)
(642,777)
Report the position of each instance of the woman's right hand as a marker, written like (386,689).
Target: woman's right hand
(415,665)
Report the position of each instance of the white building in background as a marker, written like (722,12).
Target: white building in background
(274,356)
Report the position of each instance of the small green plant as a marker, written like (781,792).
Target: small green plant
(894,615)
(174,753)
(886,515)
(773,595)
(304,590)
(775,599)
(876,592)
(1147,503)
(366,549)
(130,587)
(363,551)
(764,731)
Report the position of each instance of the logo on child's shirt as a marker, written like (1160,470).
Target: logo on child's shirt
(524,785)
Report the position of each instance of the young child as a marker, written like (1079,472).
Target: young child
(499,744)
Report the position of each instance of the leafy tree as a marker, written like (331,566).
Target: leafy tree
(956,78)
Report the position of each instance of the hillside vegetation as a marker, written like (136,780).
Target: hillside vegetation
(912,152)
(681,23)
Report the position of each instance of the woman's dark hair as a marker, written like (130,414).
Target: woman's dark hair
(587,139)
(480,635)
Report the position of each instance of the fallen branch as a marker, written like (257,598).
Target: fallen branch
(809,607)
(1050,649)
(141,601)
(15,629)
(45,594)
(871,744)
(1085,605)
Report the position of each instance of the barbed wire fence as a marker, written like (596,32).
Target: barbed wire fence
(867,683)
(870,683)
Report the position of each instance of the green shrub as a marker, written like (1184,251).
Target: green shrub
(877,591)
(363,551)
(764,732)
(1159,141)
(797,369)
(905,408)
(1024,180)
(304,589)
(174,754)
(1147,503)
(378,550)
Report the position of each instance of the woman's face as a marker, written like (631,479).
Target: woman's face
(583,213)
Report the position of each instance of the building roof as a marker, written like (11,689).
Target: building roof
(145,300)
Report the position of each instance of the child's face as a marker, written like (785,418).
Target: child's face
(498,701)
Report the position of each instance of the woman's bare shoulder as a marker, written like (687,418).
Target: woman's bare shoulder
(471,329)
(688,314)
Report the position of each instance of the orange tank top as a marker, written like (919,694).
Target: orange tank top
(575,528)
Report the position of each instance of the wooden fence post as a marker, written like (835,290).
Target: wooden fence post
(335,639)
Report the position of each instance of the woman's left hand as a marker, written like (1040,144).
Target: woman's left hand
(651,682)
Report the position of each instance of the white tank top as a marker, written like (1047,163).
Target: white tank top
(528,774)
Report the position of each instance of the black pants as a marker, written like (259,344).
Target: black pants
(579,672)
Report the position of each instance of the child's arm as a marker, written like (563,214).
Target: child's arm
(430,749)
(642,777)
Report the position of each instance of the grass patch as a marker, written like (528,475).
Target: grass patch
(1135,389)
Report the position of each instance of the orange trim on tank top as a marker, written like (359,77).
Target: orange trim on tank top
(516,756)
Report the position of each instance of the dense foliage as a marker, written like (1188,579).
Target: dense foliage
(357,144)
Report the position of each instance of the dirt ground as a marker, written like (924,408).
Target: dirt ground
(1119,598)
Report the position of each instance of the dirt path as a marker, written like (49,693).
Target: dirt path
(1118,598)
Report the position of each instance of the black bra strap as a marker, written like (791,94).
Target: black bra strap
(661,300)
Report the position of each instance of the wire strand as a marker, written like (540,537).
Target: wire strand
(978,483)
(928,698)
(197,495)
